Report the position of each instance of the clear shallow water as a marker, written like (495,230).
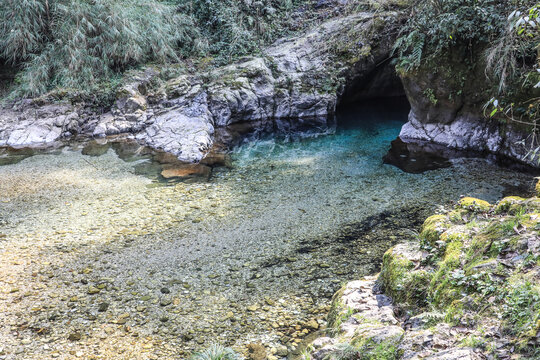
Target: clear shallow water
(249,256)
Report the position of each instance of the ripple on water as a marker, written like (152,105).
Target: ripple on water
(252,255)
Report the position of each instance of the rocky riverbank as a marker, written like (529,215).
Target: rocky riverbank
(294,84)
(101,262)
(467,289)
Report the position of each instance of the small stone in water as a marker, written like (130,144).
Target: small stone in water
(312,324)
(165,290)
(93,290)
(75,336)
(165,301)
(103,307)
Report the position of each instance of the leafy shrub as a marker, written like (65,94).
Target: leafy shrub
(435,26)
(76,44)
(238,27)
(73,43)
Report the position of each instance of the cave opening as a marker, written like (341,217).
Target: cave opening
(371,98)
(376,101)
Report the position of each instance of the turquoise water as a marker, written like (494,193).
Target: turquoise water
(248,256)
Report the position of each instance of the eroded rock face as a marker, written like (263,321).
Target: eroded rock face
(295,81)
(33,126)
(468,132)
(447,109)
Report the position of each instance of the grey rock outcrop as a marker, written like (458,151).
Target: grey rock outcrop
(471,133)
(36,126)
(363,319)
(447,109)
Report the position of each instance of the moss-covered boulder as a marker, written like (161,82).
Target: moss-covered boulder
(469,289)
(474,205)
(511,204)
(401,277)
(433,227)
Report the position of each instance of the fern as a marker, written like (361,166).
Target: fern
(410,48)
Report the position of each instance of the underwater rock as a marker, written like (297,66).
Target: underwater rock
(186,170)
(256,352)
(416,157)
(95,148)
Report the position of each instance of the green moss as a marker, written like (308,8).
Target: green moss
(532,204)
(433,227)
(510,204)
(441,289)
(487,242)
(537,188)
(393,272)
(474,205)
(405,285)
(361,348)
(338,311)
(456,215)
(452,235)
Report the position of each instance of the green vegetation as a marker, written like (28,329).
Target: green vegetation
(360,349)
(475,205)
(521,310)
(75,43)
(436,27)
(403,283)
(216,352)
(432,228)
(232,28)
(498,38)
(477,275)
(83,44)
(338,311)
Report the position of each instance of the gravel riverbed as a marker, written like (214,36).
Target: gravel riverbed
(99,262)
